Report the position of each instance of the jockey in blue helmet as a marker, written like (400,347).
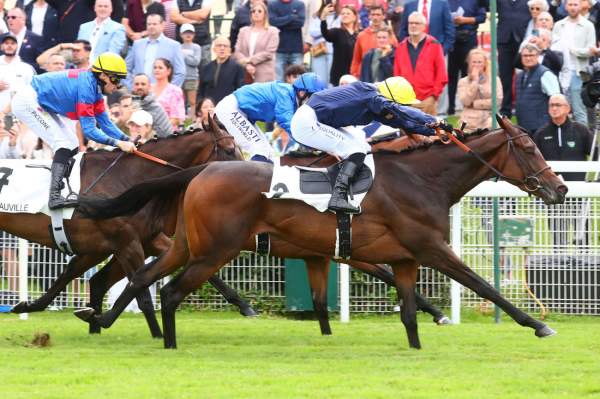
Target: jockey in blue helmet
(268,102)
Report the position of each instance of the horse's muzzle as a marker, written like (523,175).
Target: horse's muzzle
(556,196)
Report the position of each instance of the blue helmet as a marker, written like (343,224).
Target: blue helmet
(310,83)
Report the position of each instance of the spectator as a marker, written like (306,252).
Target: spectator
(140,124)
(135,17)
(553,60)
(146,101)
(42,20)
(192,54)
(420,60)
(195,12)
(56,62)
(465,40)
(592,14)
(475,91)
(170,26)
(167,94)
(123,113)
(343,39)
(293,72)
(288,16)
(347,79)
(378,63)
(241,19)
(363,13)
(533,88)
(104,34)
(321,51)
(223,75)
(205,108)
(394,14)
(10,139)
(562,139)
(256,46)
(366,40)
(143,53)
(79,54)
(576,37)
(513,17)
(14,73)
(536,7)
(439,23)
(544,21)
(3,27)
(29,45)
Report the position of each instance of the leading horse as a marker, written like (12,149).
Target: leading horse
(405,219)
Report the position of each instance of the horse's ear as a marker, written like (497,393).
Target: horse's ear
(213,124)
(504,122)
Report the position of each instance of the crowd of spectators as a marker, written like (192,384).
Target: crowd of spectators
(178,73)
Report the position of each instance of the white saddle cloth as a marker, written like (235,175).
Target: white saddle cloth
(25,189)
(285,184)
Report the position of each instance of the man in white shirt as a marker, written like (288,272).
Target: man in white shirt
(575,36)
(14,73)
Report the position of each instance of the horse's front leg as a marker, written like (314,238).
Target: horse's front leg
(318,273)
(405,277)
(440,256)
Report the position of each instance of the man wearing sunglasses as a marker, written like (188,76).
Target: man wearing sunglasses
(76,94)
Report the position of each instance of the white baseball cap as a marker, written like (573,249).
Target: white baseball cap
(141,118)
(187,28)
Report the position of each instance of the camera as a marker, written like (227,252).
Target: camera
(9,121)
(590,92)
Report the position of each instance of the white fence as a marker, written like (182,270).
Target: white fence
(558,268)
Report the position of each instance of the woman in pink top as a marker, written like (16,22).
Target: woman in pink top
(169,96)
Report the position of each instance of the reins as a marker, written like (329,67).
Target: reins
(530,182)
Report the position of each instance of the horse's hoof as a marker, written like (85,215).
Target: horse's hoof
(443,321)
(248,312)
(84,313)
(21,307)
(544,331)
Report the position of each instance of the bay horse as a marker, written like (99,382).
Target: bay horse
(317,266)
(129,240)
(405,218)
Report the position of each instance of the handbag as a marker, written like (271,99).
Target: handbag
(318,49)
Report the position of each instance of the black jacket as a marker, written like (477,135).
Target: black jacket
(231,78)
(33,45)
(574,144)
(73,13)
(513,17)
(50,31)
(241,19)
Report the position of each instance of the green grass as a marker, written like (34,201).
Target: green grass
(222,355)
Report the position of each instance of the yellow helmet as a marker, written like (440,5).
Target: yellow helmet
(111,64)
(398,90)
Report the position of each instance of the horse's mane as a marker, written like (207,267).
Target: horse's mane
(150,143)
(419,142)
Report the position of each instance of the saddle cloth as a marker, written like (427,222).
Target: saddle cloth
(314,185)
(25,189)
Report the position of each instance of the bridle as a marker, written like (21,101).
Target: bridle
(215,143)
(531,182)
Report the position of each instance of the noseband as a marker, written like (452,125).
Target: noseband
(530,182)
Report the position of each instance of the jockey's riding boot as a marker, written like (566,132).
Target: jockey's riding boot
(339,197)
(59,169)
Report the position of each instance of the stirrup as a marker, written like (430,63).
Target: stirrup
(59,203)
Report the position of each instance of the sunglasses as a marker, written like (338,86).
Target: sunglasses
(114,79)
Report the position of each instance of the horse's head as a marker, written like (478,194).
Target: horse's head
(219,145)
(526,168)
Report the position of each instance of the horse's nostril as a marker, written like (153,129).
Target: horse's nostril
(562,189)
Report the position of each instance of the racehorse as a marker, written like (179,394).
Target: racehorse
(317,266)
(405,218)
(130,240)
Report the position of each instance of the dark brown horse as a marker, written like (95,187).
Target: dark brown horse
(404,222)
(129,240)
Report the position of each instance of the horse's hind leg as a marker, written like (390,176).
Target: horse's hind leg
(318,273)
(232,297)
(443,259)
(99,285)
(381,272)
(405,274)
(76,267)
(144,300)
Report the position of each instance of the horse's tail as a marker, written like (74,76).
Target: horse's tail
(137,196)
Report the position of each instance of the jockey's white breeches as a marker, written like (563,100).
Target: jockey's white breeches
(248,136)
(307,130)
(52,128)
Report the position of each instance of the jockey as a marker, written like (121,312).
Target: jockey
(78,95)
(319,123)
(268,102)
